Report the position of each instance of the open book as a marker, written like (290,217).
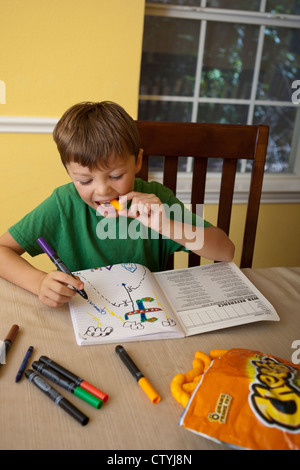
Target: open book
(126,302)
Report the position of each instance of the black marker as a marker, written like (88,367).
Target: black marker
(67,384)
(58,263)
(55,396)
(137,374)
(74,378)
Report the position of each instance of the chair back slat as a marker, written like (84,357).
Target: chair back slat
(226,194)
(170,172)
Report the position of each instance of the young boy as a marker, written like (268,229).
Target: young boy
(99,145)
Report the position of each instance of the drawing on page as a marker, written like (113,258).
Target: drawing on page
(129,308)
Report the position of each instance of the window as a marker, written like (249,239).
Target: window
(226,61)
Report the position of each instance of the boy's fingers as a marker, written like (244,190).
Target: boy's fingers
(68,279)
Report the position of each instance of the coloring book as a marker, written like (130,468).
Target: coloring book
(126,302)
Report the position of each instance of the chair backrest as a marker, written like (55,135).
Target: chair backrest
(204,141)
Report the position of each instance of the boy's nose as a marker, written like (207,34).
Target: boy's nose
(103,189)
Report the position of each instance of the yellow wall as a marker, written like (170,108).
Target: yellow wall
(59,52)
(54,54)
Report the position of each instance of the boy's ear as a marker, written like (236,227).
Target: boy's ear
(139,161)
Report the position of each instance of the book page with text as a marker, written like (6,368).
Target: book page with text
(214,296)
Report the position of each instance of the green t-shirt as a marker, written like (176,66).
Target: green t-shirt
(84,239)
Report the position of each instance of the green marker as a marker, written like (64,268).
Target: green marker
(67,384)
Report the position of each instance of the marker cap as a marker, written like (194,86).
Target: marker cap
(149,390)
(94,391)
(88,397)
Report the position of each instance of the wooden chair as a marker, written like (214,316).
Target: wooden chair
(204,141)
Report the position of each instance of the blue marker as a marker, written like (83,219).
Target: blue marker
(24,364)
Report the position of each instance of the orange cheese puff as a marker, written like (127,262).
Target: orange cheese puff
(217,353)
(189,387)
(197,378)
(197,364)
(115,203)
(180,395)
(191,374)
(204,358)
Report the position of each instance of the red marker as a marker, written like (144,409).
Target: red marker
(77,380)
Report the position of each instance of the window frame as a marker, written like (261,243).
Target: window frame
(277,187)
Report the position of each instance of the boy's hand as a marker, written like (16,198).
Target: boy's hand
(146,208)
(54,291)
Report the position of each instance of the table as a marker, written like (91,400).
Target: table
(128,420)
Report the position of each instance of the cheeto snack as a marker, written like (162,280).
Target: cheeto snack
(183,385)
(246,399)
(116,204)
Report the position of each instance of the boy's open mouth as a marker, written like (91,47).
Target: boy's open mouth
(110,205)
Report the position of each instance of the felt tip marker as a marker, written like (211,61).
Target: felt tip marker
(67,384)
(24,364)
(137,374)
(10,337)
(58,263)
(55,396)
(74,378)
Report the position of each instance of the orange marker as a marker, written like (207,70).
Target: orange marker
(137,374)
(115,203)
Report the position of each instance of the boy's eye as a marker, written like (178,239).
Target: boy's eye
(84,183)
(118,177)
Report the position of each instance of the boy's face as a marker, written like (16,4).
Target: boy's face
(106,183)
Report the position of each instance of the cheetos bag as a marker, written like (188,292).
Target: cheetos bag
(248,400)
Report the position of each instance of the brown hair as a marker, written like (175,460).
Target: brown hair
(89,133)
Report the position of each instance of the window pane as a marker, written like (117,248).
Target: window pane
(169,56)
(229,60)
(291,7)
(253,5)
(164,111)
(280,64)
(281,121)
(222,113)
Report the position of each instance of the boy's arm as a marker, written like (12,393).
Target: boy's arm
(51,288)
(210,242)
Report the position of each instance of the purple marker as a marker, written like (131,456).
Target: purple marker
(58,262)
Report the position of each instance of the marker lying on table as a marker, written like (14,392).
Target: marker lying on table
(74,378)
(24,363)
(10,337)
(137,374)
(58,263)
(67,384)
(55,396)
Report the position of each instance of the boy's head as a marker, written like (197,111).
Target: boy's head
(92,133)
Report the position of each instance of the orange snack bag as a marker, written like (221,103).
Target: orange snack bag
(247,399)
